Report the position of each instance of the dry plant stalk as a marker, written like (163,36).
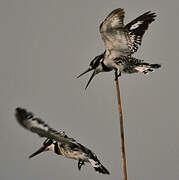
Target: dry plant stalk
(121,127)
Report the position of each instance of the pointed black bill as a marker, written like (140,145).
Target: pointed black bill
(88,70)
(94,72)
(42,149)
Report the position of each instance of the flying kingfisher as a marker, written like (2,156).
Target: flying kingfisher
(58,142)
(121,41)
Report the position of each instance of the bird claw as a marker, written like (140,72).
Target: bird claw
(80,164)
(117,74)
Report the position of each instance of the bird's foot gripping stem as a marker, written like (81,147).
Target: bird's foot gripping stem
(117,74)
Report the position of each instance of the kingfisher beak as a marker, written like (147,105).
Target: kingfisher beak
(92,76)
(88,70)
(42,149)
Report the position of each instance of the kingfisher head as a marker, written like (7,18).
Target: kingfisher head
(96,66)
(48,145)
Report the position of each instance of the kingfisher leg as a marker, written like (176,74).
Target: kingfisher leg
(119,74)
(80,163)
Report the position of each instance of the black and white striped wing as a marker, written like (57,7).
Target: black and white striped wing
(137,28)
(113,32)
(36,125)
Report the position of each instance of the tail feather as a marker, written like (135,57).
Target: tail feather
(101,169)
(155,66)
(146,67)
(98,166)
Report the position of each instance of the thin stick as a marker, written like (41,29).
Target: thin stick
(121,127)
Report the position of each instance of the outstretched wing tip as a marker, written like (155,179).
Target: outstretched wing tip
(22,114)
(119,11)
(36,125)
(18,109)
(138,27)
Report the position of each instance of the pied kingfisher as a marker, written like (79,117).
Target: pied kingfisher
(120,43)
(58,142)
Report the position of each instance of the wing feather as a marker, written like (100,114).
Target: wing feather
(38,126)
(113,33)
(123,40)
(137,28)
(114,20)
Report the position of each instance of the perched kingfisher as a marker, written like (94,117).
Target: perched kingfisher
(120,43)
(58,142)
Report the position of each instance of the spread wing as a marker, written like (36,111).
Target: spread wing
(113,32)
(114,20)
(124,40)
(137,28)
(36,125)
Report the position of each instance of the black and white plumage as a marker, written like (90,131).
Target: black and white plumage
(58,141)
(121,41)
(124,40)
(133,65)
(137,28)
